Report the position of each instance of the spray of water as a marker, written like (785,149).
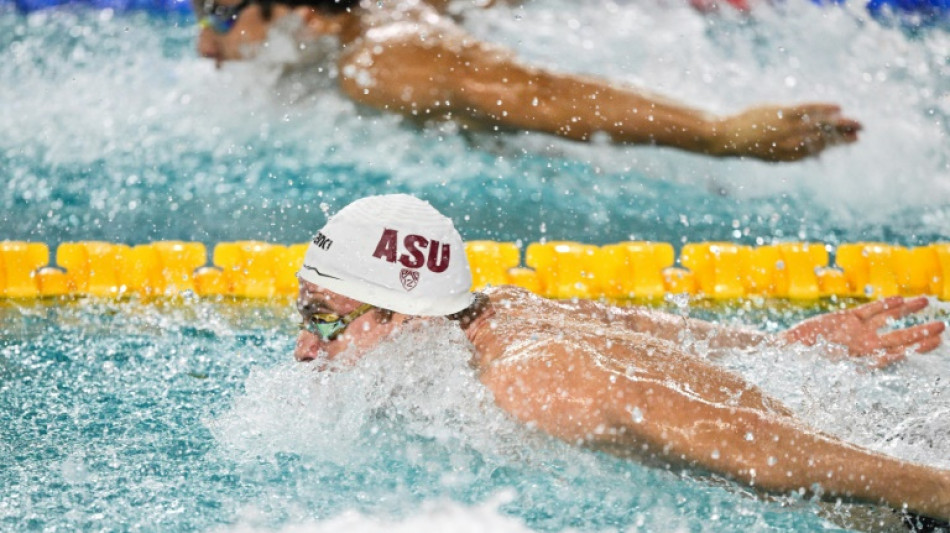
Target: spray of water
(419,382)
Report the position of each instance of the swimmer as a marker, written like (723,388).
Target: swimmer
(614,379)
(411,58)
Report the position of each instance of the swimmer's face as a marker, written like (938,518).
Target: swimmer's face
(361,334)
(232,41)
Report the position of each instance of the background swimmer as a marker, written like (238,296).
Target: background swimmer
(409,58)
(614,379)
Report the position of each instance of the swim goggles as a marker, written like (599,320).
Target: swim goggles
(329,326)
(221,18)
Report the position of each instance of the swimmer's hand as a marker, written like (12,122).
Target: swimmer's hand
(784,133)
(857,330)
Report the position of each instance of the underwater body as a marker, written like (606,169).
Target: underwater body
(191,414)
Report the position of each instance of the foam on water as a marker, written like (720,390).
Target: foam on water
(421,383)
(433,517)
(900,410)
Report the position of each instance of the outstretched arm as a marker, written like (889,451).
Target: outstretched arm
(711,336)
(856,331)
(454,75)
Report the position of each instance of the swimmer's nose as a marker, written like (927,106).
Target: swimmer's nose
(308,345)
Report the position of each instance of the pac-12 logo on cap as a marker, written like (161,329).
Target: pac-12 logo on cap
(438,256)
(409,278)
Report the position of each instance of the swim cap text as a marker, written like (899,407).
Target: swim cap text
(322,241)
(414,257)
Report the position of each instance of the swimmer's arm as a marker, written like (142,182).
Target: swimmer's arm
(514,96)
(484,83)
(856,332)
(585,109)
(476,81)
(676,328)
(454,75)
(459,6)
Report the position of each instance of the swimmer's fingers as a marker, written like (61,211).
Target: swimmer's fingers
(838,131)
(896,355)
(814,112)
(922,335)
(847,129)
(929,345)
(893,308)
(787,133)
(822,125)
(872,309)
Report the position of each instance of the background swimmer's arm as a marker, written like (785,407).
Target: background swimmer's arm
(582,109)
(459,6)
(458,77)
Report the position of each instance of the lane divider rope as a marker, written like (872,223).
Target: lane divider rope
(558,269)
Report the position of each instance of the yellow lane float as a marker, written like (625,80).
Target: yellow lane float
(558,269)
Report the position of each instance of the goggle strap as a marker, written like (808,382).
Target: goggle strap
(356,313)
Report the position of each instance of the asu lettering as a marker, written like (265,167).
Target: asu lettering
(415,256)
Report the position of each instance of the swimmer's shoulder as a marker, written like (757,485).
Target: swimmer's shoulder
(524,311)
(507,295)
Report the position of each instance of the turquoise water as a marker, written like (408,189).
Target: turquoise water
(191,415)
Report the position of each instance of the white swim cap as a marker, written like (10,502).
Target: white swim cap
(394,251)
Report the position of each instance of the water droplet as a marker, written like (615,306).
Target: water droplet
(636,415)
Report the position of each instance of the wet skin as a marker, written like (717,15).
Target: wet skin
(618,379)
(603,378)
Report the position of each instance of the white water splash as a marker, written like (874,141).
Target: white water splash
(434,517)
(421,377)
(900,410)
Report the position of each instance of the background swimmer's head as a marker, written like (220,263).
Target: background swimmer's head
(202,7)
(327,7)
(241,29)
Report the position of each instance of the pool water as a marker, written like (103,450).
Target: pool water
(190,415)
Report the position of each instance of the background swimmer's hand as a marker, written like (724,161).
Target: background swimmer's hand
(784,133)
(857,330)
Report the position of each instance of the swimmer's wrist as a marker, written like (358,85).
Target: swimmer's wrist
(791,336)
(721,137)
